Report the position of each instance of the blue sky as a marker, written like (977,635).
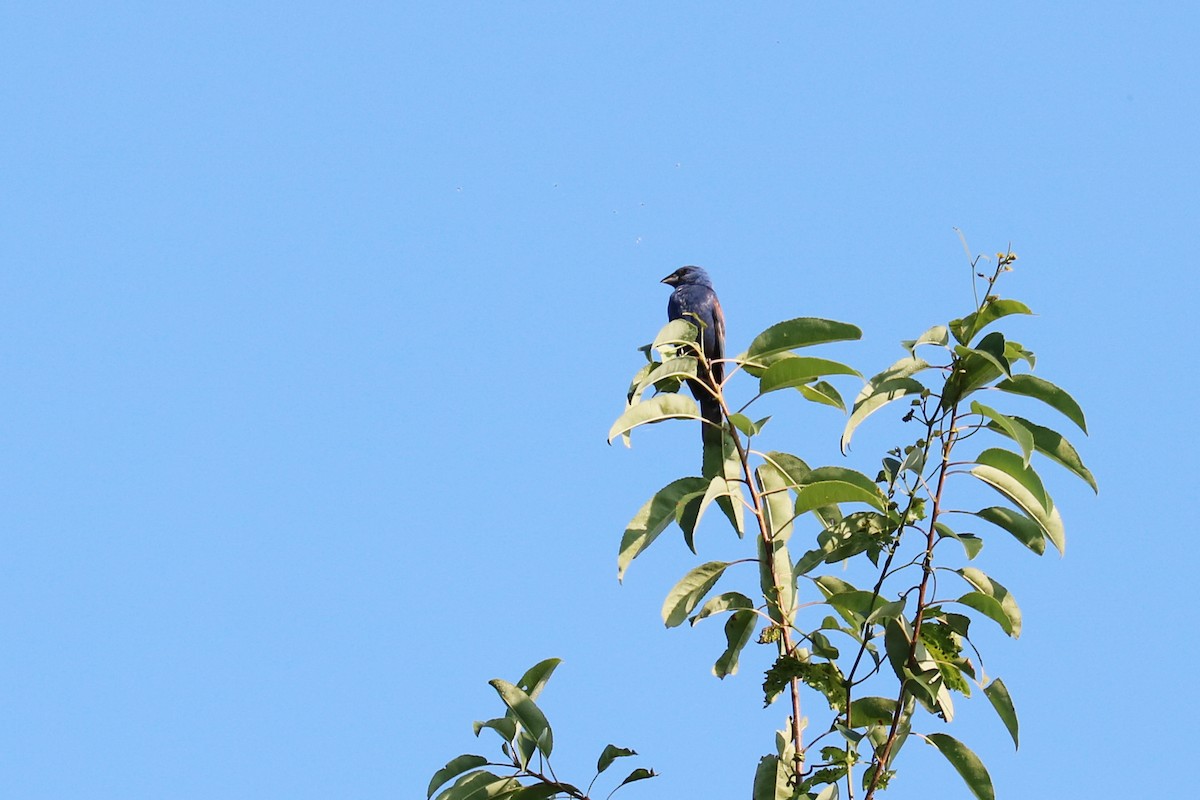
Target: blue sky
(316,318)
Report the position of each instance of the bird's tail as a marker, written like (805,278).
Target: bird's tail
(712,435)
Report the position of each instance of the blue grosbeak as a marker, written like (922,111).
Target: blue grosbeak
(695,301)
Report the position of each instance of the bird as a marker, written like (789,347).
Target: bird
(695,301)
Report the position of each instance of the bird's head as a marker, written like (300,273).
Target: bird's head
(688,276)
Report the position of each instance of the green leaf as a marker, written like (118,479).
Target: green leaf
(801,332)
(792,372)
(505,726)
(1048,393)
(639,774)
(738,629)
(1004,472)
(1025,529)
(1051,444)
(728,601)
(966,763)
(543,791)
(872,711)
(720,487)
(675,332)
(965,329)
(936,335)
(1011,613)
(991,349)
(774,560)
(1010,427)
(795,471)
(997,693)
(971,544)
(653,518)
(690,590)
(778,507)
(454,767)
(535,678)
(821,392)
(480,785)
(821,493)
(743,424)
(683,367)
(972,372)
(527,713)
(873,398)
(612,753)
(771,780)
(656,409)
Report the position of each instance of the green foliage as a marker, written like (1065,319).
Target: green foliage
(831,639)
(884,658)
(524,733)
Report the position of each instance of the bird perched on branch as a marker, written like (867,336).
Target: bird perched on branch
(695,301)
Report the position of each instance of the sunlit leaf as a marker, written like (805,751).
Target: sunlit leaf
(675,332)
(690,590)
(738,629)
(997,693)
(454,767)
(527,713)
(801,332)
(1048,393)
(1011,428)
(1003,471)
(480,785)
(1011,621)
(937,335)
(873,398)
(793,372)
(728,601)
(771,780)
(1025,529)
(639,774)
(656,409)
(966,763)
(965,329)
(653,518)
(1054,446)
(872,711)
(823,393)
(971,544)
(612,753)
(536,677)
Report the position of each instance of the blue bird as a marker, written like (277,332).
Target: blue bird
(695,301)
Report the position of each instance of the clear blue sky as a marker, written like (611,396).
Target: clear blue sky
(316,316)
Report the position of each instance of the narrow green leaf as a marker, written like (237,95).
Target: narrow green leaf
(543,791)
(738,630)
(1054,446)
(991,349)
(1048,393)
(612,753)
(639,774)
(1011,428)
(778,509)
(653,518)
(823,393)
(995,590)
(535,678)
(795,472)
(873,398)
(682,367)
(965,329)
(527,713)
(506,727)
(728,601)
(774,560)
(801,332)
(971,544)
(792,372)
(656,409)
(1022,486)
(971,373)
(966,763)
(937,335)
(1025,529)
(743,424)
(454,767)
(720,487)
(675,332)
(480,785)
(690,590)
(990,607)
(771,780)
(830,792)
(872,711)
(824,493)
(997,693)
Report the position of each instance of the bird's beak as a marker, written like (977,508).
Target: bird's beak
(669,280)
